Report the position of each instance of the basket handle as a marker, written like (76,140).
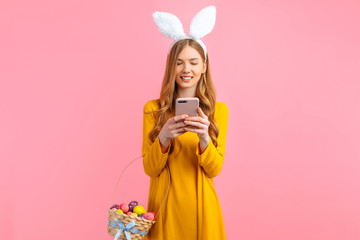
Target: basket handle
(117,183)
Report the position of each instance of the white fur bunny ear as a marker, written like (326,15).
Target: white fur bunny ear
(203,22)
(169,25)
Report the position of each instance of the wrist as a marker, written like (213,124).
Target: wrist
(164,143)
(204,143)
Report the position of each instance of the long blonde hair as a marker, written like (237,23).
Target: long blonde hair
(205,91)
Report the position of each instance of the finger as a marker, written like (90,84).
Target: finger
(182,129)
(179,132)
(180,117)
(194,119)
(198,119)
(195,130)
(204,122)
(181,124)
(201,113)
(190,128)
(196,124)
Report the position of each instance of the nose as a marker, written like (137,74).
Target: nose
(186,68)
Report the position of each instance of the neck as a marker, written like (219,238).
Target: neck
(185,92)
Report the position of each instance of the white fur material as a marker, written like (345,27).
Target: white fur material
(201,25)
(203,22)
(169,25)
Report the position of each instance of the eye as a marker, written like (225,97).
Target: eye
(178,63)
(194,63)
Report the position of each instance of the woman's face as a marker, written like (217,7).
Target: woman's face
(189,68)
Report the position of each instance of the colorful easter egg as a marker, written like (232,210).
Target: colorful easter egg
(134,214)
(119,211)
(115,206)
(124,207)
(128,213)
(114,209)
(140,210)
(132,204)
(149,216)
(143,217)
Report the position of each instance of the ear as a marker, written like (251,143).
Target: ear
(205,67)
(203,22)
(169,25)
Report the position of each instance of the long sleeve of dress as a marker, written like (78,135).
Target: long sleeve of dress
(212,159)
(154,159)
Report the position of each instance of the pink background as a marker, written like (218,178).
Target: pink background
(76,74)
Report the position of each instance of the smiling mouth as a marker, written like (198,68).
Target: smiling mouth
(186,78)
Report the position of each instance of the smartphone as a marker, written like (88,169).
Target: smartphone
(187,106)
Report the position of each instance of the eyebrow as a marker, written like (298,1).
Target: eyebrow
(190,59)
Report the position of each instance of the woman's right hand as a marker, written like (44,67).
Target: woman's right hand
(173,128)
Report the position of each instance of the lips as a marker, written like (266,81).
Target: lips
(186,78)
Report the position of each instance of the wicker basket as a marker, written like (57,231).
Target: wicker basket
(126,227)
(120,223)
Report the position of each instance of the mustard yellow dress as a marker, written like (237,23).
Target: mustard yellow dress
(192,210)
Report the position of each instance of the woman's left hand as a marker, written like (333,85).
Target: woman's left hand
(199,125)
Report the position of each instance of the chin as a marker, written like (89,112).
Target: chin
(188,85)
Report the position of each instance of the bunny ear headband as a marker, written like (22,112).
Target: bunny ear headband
(201,25)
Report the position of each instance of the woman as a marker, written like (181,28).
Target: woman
(192,147)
